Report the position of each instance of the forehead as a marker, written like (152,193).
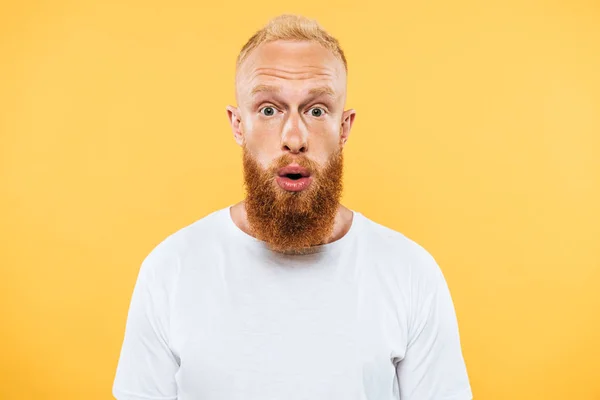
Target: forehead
(291,65)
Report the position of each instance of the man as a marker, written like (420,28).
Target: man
(289,295)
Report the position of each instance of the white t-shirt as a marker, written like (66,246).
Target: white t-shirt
(216,315)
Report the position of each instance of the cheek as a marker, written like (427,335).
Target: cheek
(261,136)
(256,130)
(329,140)
(260,147)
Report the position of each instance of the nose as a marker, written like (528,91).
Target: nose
(294,138)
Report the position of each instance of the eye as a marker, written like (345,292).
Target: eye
(267,111)
(317,112)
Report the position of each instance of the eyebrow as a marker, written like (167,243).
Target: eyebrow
(265,88)
(321,90)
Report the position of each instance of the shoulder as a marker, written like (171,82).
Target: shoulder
(166,257)
(400,252)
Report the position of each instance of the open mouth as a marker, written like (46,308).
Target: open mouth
(294,177)
(294,172)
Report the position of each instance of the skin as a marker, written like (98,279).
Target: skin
(291,97)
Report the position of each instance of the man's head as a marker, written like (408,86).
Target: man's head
(291,123)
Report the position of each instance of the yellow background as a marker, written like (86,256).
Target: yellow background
(477,135)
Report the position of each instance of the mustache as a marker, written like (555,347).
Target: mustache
(287,159)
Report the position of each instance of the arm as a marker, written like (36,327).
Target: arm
(147,366)
(433,367)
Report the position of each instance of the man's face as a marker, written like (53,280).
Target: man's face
(292,127)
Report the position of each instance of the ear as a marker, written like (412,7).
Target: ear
(235,121)
(347,121)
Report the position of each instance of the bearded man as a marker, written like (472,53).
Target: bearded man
(289,295)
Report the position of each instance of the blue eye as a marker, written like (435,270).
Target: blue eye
(267,111)
(317,112)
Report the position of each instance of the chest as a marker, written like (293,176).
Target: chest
(285,334)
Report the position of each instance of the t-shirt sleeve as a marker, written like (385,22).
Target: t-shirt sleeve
(433,367)
(147,366)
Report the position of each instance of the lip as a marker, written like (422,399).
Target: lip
(294,185)
(293,169)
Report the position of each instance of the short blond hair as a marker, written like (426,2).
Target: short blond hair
(292,27)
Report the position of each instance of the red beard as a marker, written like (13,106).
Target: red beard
(292,222)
